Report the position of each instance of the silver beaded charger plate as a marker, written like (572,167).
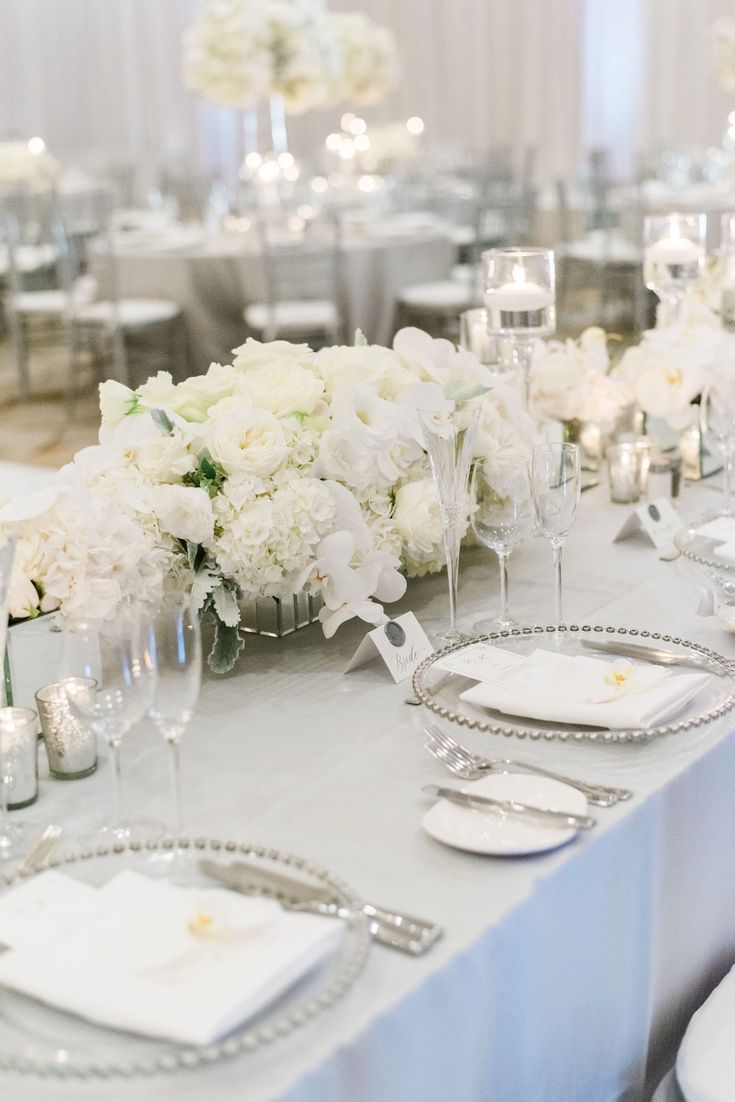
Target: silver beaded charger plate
(41,1040)
(700,549)
(440,690)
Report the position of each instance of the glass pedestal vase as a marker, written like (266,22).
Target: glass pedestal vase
(32,659)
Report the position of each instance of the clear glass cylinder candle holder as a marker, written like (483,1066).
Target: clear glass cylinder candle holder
(19,755)
(624,472)
(474,337)
(520,292)
(71,747)
(675,247)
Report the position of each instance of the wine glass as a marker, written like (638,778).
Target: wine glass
(449,435)
(176,644)
(501,511)
(556,485)
(118,658)
(717,419)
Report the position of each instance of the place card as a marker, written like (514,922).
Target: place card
(658,520)
(401,643)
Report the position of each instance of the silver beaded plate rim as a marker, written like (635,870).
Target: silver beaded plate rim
(184,1057)
(683,539)
(572,734)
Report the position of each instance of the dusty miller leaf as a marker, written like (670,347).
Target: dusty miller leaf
(163,421)
(228,643)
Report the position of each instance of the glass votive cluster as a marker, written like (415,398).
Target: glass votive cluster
(70,746)
(19,756)
(624,462)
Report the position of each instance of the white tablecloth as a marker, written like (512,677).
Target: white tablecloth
(567,977)
(215,280)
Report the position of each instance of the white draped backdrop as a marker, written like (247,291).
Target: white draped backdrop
(102,77)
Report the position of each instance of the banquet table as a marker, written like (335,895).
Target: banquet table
(213,278)
(566,977)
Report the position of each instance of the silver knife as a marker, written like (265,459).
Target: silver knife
(658,655)
(550,815)
(405,932)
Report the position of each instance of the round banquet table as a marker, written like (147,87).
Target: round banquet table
(568,976)
(213,278)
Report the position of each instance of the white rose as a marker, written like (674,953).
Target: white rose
(255,354)
(283,389)
(418,519)
(344,365)
(244,439)
(184,512)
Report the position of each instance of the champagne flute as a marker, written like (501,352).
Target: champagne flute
(556,484)
(449,435)
(117,656)
(176,644)
(717,420)
(501,511)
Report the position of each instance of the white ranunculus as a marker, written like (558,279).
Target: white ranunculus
(245,439)
(184,512)
(283,389)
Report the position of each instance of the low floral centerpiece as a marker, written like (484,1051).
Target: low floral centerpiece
(287,470)
(571,381)
(667,370)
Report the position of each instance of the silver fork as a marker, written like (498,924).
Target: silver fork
(463,763)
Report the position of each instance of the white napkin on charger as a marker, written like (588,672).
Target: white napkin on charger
(705,1065)
(564,688)
(186,964)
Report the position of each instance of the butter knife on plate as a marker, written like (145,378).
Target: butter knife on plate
(398,931)
(552,816)
(659,656)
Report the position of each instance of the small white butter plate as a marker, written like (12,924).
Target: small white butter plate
(496,833)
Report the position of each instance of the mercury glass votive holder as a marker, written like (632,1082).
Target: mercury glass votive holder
(19,756)
(624,471)
(70,746)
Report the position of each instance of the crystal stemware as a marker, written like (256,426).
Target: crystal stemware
(449,436)
(501,512)
(118,657)
(556,485)
(176,644)
(717,420)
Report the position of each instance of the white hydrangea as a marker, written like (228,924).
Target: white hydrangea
(570,380)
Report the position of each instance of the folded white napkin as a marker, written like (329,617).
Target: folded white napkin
(563,688)
(142,955)
(721,529)
(705,1065)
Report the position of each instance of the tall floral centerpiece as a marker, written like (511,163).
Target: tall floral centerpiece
(286,470)
(369,63)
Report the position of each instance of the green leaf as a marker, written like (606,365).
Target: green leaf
(457,391)
(227,646)
(163,421)
(133,405)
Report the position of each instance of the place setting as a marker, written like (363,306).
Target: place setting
(367,551)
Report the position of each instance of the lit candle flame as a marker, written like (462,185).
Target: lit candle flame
(519,273)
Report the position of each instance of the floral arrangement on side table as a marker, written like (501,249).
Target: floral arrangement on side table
(287,470)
